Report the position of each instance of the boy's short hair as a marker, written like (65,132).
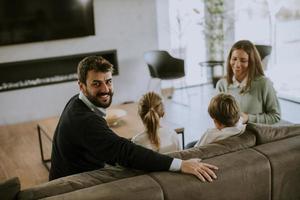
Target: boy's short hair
(224,108)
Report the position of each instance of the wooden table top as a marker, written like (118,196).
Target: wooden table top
(127,127)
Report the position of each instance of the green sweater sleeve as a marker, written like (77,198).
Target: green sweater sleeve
(270,104)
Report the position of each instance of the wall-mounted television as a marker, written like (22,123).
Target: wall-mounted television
(23,21)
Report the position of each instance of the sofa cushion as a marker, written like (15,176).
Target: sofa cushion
(244,174)
(77,181)
(134,188)
(235,143)
(284,156)
(268,133)
(9,188)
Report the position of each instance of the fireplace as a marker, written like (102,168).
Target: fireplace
(38,72)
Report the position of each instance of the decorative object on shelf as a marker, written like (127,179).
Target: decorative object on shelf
(214,16)
(213,29)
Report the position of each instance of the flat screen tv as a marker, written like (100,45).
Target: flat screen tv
(24,21)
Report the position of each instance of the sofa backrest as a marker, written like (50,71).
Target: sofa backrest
(76,182)
(269,133)
(134,188)
(244,174)
(235,143)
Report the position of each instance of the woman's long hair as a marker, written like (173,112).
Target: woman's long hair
(254,63)
(151,110)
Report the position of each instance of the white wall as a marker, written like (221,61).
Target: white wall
(163,25)
(128,26)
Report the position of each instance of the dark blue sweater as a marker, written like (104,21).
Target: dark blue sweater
(84,142)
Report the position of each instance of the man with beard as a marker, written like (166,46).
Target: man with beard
(84,142)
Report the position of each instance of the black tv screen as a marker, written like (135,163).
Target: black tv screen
(23,21)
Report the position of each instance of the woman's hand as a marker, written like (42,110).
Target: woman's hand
(245,117)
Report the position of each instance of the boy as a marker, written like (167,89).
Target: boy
(225,113)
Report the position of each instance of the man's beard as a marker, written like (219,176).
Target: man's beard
(94,99)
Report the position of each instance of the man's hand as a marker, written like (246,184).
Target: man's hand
(202,170)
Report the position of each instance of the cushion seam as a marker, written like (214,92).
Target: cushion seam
(159,183)
(271,170)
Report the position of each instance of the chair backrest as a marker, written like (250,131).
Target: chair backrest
(163,66)
(263,50)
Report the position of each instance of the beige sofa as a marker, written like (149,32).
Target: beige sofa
(262,163)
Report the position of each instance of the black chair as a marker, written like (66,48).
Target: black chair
(263,50)
(163,66)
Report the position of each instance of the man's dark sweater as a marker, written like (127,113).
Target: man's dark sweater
(83,142)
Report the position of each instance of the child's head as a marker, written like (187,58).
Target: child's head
(224,109)
(151,109)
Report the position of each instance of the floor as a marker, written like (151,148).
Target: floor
(188,108)
(20,154)
(19,148)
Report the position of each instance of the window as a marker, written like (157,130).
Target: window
(276,23)
(187,38)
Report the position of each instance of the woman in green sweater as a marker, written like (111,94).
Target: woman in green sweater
(246,81)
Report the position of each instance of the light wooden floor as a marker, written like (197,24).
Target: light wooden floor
(20,154)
